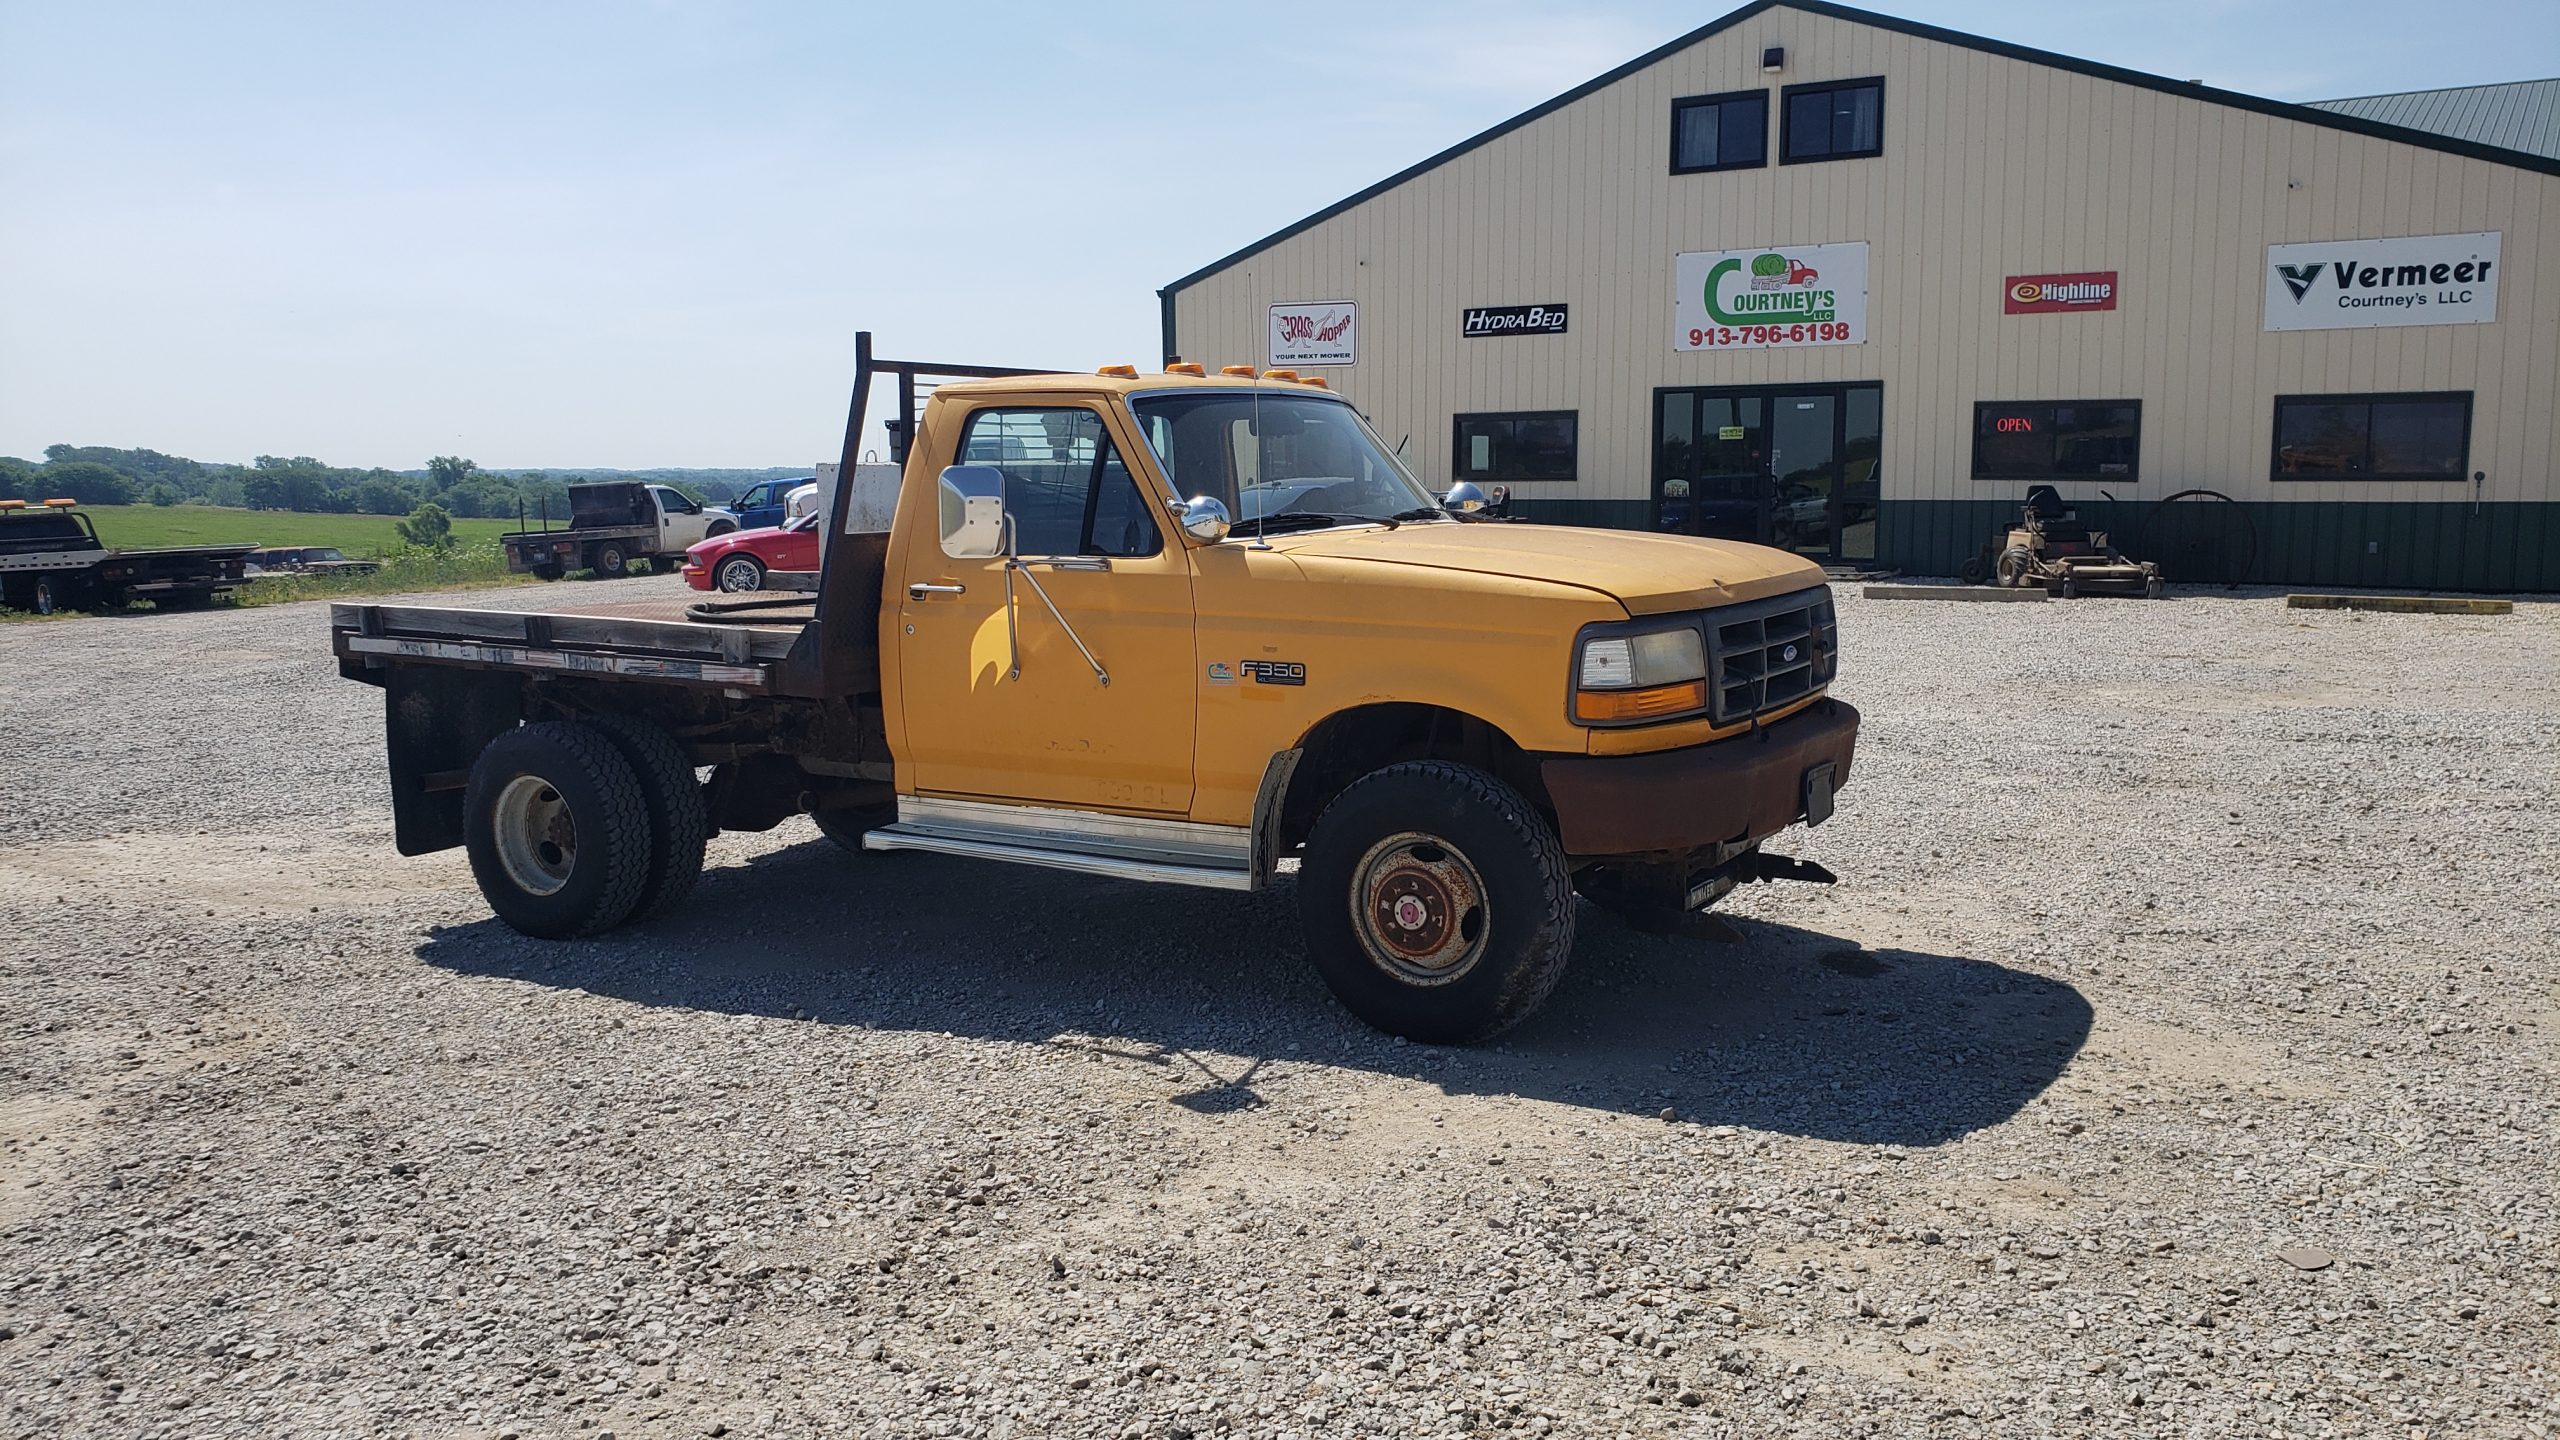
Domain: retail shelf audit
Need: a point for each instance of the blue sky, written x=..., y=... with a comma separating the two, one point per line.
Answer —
x=557, y=234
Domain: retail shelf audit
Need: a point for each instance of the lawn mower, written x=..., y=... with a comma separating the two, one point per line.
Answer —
x=2050, y=547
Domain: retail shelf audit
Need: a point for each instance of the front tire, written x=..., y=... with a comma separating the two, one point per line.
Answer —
x=739, y=574
x=557, y=828
x=1436, y=902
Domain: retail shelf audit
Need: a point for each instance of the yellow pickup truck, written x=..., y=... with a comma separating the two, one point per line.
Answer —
x=1178, y=627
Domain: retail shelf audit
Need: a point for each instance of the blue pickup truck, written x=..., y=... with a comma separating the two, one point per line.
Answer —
x=759, y=506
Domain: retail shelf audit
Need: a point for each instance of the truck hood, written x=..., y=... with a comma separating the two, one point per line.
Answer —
x=1648, y=574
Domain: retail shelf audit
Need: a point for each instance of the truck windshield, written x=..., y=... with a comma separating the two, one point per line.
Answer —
x=1265, y=456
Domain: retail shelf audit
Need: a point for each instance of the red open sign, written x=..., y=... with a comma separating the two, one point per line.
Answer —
x=2014, y=425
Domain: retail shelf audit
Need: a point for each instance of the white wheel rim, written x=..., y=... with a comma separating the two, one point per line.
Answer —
x=537, y=836
x=1420, y=909
x=741, y=575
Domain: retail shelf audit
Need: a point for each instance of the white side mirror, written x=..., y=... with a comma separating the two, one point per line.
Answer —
x=972, y=512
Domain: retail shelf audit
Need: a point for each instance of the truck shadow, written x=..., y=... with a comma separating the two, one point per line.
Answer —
x=1794, y=1031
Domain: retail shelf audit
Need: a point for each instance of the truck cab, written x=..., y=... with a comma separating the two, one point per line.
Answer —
x=764, y=505
x=1205, y=630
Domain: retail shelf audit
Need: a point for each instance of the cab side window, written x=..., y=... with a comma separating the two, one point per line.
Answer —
x=1065, y=487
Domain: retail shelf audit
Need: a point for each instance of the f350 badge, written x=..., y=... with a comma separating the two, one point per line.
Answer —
x=1261, y=672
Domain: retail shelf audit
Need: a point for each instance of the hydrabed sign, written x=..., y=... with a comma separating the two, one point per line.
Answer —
x=1778, y=297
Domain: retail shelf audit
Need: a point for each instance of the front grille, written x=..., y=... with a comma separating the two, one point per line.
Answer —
x=1770, y=653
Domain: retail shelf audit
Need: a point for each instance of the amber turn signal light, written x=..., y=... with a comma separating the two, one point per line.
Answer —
x=1606, y=707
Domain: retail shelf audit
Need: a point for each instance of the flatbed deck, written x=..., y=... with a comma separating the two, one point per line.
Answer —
x=642, y=638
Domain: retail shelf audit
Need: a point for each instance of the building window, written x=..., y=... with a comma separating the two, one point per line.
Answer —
x=2373, y=437
x=1526, y=445
x=2057, y=440
x=1720, y=132
x=1836, y=120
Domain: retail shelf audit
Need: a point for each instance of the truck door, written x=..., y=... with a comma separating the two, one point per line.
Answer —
x=1097, y=538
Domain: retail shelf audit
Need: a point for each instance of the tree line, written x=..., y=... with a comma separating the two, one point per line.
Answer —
x=106, y=475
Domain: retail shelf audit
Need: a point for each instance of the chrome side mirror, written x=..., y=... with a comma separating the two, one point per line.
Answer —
x=1204, y=518
x=972, y=512
x=1463, y=498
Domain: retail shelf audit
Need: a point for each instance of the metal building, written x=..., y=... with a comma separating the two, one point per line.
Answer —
x=1852, y=284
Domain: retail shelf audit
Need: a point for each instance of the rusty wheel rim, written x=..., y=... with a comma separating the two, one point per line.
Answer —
x=1420, y=908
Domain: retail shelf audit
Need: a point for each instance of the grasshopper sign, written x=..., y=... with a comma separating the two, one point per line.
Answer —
x=1771, y=298
x=2355, y=284
x=1315, y=332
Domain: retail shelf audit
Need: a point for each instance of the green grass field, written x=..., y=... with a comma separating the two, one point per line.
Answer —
x=362, y=536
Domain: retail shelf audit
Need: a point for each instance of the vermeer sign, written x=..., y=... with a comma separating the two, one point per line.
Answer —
x=2414, y=280
x=1315, y=332
x=1777, y=297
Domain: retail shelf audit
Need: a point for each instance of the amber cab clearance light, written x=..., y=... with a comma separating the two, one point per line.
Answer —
x=1186, y=367
x=1279, y=374
x=13, y=504
x=1315, y=380
x=1241, y=371
x=1119, y=372
x=59, y=503
x=1608, y=707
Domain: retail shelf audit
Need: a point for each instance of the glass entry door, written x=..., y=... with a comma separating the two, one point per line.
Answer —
x=1792, y=466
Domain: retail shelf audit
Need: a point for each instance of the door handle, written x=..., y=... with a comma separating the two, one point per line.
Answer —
x=918, y=589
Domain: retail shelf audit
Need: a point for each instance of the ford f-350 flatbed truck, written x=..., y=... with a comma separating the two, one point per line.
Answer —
x=1171, y=627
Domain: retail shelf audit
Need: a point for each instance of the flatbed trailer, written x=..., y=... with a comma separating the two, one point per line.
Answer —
x=51, y=558
x=1050, y=657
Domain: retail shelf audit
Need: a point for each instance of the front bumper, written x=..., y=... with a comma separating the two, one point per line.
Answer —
x=696, y=574
x=1731, y=791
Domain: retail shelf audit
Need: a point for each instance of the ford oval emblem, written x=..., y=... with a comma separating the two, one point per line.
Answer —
x=1787, y=654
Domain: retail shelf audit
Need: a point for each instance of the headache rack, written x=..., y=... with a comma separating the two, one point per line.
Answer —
x=1768, y=654
x=837, y=654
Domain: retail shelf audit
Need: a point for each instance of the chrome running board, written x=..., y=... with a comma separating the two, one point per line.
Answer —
x=1125, y=847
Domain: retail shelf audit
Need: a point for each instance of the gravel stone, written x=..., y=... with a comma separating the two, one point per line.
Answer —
x=2172, y=936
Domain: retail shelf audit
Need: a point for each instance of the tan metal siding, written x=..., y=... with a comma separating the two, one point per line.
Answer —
x=1992, y=166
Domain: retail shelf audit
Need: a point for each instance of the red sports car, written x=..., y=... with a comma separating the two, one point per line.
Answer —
x=738, y=560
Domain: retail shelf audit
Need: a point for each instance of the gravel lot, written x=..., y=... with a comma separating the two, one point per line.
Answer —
x=2174, y=938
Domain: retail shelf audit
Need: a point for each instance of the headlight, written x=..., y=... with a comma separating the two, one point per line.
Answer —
x=1627, y=676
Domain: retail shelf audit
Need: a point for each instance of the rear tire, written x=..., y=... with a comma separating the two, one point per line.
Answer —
x=548, y=572
x=679, y=821
x=1436, y=902
x=739, y=574
x=557, y=827
x=48, y=595
x=610, y=561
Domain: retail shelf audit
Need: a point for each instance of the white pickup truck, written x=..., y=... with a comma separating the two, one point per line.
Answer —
x=613, y=524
